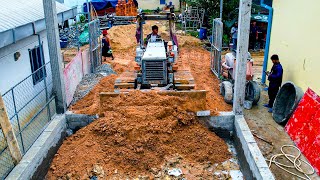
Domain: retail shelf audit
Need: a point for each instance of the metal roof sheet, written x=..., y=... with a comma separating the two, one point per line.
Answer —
x=15, y=13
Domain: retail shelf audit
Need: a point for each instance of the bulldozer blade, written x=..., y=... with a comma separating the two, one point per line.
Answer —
x=126, y=80
x=195, y=100
x=184, y=80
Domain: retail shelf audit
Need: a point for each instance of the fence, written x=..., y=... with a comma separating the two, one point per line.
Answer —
x=30, y=106
x=216, y=46
x=95, y=44
x=192, y=19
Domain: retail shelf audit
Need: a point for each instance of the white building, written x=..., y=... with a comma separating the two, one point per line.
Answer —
x=24, y=69
x=154, y=4
x=20, y=24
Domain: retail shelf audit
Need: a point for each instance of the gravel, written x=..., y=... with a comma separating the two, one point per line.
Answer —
x=90, y=80
x=72, y=35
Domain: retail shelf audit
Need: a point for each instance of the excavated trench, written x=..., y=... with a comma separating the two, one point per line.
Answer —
x=145, y=135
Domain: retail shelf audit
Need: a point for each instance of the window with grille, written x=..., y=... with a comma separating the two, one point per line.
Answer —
x=38, y=68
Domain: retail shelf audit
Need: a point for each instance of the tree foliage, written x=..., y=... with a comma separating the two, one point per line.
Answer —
x=212, y=7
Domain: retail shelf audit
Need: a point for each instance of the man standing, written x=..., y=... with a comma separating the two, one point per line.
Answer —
x=154, y=35
x=275, y=80
x=254, y=35
x=234, y=34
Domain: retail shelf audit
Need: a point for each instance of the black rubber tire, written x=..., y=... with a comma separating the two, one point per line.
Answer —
x=286, y=102
x=253, y=92
x=226, y=91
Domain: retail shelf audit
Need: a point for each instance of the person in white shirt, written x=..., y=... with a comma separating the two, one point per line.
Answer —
x=154, y=35
x=229, y=65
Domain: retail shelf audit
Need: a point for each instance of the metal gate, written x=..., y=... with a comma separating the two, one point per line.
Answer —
x=216, y=46
x=192, y=19
x=95, y=44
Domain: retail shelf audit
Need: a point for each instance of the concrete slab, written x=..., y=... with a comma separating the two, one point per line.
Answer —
x=203, y=113
x=224, y=121
x=77, y=121
x=252, y=153
x=33, y=161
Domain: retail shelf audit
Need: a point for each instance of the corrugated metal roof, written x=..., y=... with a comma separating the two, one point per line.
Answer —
x=15, y=13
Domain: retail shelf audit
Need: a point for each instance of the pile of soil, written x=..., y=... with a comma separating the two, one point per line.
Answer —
x=123, y=37
x=139, y=135
x=90, y=103
x=198, y=59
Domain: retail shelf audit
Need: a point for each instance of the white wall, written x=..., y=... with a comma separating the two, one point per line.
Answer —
x=12, y=72
x=295, y=38
x=153, y=4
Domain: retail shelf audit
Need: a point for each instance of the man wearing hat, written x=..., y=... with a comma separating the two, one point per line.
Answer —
x=106, y=48
x=275, y=80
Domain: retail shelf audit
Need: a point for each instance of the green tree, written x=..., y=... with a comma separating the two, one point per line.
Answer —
x=212, y=7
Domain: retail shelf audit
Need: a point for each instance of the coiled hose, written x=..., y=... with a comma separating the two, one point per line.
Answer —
x=295, y=160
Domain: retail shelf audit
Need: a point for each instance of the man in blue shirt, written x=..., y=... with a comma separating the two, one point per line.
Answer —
x=275, y=80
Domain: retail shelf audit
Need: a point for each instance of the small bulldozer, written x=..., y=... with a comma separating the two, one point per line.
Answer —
x=157, y=62
x=158, y=68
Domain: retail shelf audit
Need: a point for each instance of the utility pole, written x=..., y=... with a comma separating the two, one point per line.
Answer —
x=221, y=9
x=242, y=51
x=50, y=14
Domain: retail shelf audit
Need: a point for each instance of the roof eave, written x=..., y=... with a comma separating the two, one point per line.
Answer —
x=13, y=35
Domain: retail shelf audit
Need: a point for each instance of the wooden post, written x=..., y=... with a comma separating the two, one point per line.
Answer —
x=9, y=134
x=242, y=53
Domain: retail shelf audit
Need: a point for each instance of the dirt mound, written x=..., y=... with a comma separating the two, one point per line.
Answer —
x=122, y=37
x=137, y=138
x=90, y=103
x=144, y=134
x=188, y=41
x=198, y=59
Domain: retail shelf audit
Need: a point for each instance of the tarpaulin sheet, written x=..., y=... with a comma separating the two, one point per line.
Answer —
x=304, y=127
x=103, y=4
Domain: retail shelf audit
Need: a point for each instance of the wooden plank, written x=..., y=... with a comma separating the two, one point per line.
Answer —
x=184, y=86
x=242, y=51
x=9, y=133
x=123, y=85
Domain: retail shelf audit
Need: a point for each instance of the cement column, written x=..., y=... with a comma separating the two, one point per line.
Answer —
x=50, y=14
x=242, y=50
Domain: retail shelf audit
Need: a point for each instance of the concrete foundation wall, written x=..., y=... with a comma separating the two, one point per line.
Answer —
x=252, y=153
x=35, y=163
x=252, y=162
